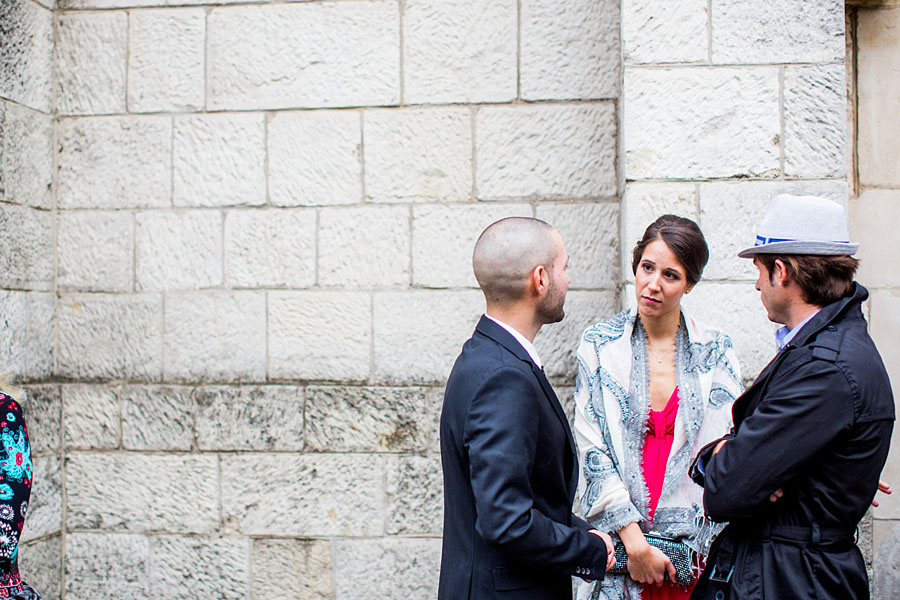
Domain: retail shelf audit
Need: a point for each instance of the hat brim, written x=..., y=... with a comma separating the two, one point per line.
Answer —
x=802, y=247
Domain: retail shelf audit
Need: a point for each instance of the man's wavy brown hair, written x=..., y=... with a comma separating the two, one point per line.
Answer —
x=822, y=279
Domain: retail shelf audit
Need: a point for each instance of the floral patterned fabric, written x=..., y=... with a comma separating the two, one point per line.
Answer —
x=15, y=490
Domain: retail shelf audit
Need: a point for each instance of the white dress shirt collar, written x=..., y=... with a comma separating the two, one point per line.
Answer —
x=529, y=347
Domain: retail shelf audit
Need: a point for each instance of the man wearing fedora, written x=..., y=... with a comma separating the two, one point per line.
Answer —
x=800, y=467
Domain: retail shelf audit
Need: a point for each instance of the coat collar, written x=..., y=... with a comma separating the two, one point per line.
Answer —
x=831, y=313
x=503, y=337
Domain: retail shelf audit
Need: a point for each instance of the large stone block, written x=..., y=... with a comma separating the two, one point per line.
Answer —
x=551, y=150
x=92, y=417
x=884, y=323
x=665, y=32
x=569, y=50
x=114, y=162
x=797, y=31
x=91, y=62
x=219, y=160
x=731, y=212
x=199, y=567
x=45, y=505
x=886, y=565
x=104, y=336
x=143, y=492
x=320, y=335
x=166, y=62
x=27, y=162
x=419, y=334
x=872, y=219
x=376, y=419
x=14, y=331
x=387, y=568
x=310, y=54
x=643, y=203
x=101, y=4
x=26, y=333
x=459, y=51
x=422, y=155
x=689, y=123
x=878, y=137
x=815, y=121
x=444, y=237
x=157, y=417
x=379, y=254
x=250, y=418
x=591, y=234
x=270, y=248
x=42, y=408
x=556, y=343
x=26, y=255
x=95, y=251
x=107, y=565
x=41, y=562
x=41, y=327
x=414, y=491
x=178, y=250
x=286, y=569
x=303, y=494
x=205, y=330
x=315, y=158
x=26, y=55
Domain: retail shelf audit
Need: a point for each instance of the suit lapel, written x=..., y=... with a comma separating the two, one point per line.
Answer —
x=554, y=402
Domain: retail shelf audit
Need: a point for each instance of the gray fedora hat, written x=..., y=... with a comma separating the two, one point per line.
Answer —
x=802, y=225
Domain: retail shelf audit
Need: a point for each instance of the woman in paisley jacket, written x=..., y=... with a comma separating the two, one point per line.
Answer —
x=654, y=386
x=15, y=490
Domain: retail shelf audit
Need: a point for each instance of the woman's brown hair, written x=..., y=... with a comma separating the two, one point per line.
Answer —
x=684, y=239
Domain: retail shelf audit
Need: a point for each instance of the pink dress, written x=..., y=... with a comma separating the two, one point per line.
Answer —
x=657, y=446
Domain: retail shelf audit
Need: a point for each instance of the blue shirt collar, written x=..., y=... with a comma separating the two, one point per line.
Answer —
x=783, y=335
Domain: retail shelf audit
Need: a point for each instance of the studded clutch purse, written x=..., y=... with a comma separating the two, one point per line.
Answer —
x=678, y=552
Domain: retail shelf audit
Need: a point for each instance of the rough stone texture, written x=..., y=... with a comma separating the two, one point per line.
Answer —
x=552, y=150
x=40, y=342
x=13, y=330
x=731, y=212
x=179, y=250
x=91, y=61
x=299, y=350
x=217, y=336
x=91, y=417
x=270, y=248
x=735, y=309
x=798, y=31
x=41, y=561
x=45, y=504
x=26, y=333
x=304, y=55
x=197, y=568
x=884, y=325
x=643, y=203
x=99, y=4
x=878, y=87
x=114, y=162
x=364, y=562
x=111, y=565
x=109, y=336
x=179, y=492
x=379, y=254
x=219, y=160
x=687, y=123
x=422, y=350
x=591, y=235
x=26, y=55
x=444, y=236
x=286, y=569
x=26, y=258
x=569, y=50
x=166, y=68
x=815, y=117
x=414, y=491
x=95, y=251
x=459, y=51
x=887, y=566
x=375, y=419
x=314, y=158
x=302, y=494
x=42, y=407
x=27, y=162
x=873, y=219
x=664, y=32
x=422, y=155
x=250, y=418
x=157, y=417
x=556, y=343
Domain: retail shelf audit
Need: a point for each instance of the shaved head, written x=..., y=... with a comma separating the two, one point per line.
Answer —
x=508, y=251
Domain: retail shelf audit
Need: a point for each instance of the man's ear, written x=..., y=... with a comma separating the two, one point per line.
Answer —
x=780, y=273
x=539, y=280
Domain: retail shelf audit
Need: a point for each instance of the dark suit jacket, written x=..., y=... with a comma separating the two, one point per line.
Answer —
x=509, y=480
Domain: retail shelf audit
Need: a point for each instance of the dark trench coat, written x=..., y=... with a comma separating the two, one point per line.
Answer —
x=816, y=423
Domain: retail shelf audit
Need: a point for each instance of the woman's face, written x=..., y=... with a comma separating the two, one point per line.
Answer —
x=660, y=281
